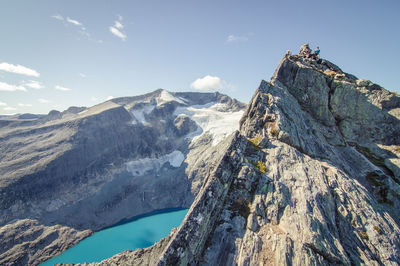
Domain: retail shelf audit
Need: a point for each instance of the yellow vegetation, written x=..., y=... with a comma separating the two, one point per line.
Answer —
x=261, y=166
x=377, y=229
x=256, y=140
x=274, y=132
x=364, y=235
x=330, y=72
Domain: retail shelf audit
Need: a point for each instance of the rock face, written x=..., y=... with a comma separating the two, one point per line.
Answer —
x=311, y=178
x=67, y=174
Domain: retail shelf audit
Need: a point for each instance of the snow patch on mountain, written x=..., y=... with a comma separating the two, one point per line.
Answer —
x=165, y=97
x=211, y=118
x=144, y=165
x=139, y=114
x=175, y=158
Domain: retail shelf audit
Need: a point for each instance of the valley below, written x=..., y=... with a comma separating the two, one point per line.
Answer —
x=67, y=175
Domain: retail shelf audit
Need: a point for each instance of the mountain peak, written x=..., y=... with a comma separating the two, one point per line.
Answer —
x=311, y=177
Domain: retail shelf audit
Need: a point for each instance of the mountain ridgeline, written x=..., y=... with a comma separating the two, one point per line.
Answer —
x=311, y=178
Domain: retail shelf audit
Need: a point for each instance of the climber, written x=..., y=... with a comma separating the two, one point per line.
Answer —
x=315, y=55
x=317, y=51
x=305, y=50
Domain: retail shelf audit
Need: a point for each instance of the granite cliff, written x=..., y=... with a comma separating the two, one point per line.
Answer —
x=311, y=178
x=67, y=174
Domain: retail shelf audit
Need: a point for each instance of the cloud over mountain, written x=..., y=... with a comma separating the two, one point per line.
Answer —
x=207, y=83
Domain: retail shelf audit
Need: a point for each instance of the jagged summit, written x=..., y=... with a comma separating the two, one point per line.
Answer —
x=311, y=178
x=363, y=113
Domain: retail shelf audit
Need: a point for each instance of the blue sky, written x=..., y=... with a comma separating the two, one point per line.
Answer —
x=55, y=54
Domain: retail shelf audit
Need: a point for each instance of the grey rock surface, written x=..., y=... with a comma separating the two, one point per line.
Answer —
x=311, y=178
x=68, y=174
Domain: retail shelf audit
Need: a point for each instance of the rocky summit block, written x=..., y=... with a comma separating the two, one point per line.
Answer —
x=68, y=174
x=311, y=178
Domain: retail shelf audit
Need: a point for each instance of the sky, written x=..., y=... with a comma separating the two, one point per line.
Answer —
x=55, y=54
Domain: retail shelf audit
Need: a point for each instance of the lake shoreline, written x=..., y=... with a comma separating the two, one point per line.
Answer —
x=138, y=232
x=140, y=216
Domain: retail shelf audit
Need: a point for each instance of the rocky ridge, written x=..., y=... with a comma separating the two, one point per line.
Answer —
x=68, y=174
x=311, y=178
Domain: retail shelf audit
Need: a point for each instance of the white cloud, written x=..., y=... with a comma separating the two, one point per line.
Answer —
x=60, y=88
x=117, y=33
x=24, y=104
x=82, y=75
x=110, y=97
x=58, y=16
x=116, y=29
x=34, y=84
x=118, y=25
x=8, y=87
x=41, y=100
x=75, y=22
x=208, y=83
x=18, y=69
x=82, y=31
x=9, y=108
x=94, y=99
x=234, y=38
x=2, y=104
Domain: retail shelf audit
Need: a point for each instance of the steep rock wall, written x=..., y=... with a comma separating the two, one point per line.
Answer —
x=311, y=178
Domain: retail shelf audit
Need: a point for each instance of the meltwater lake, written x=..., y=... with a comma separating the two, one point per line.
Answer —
x=139, y=233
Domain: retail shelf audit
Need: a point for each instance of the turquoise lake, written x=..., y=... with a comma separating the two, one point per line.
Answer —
x=139, y=233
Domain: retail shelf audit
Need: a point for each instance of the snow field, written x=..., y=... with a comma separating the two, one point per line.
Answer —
x=142, y=166
x=211, y=118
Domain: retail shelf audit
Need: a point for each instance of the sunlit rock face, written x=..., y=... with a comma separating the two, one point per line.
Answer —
x=311, y=178
x=67, y=174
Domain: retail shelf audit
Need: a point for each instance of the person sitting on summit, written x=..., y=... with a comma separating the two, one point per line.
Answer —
x=315, y=55
x=317, y=51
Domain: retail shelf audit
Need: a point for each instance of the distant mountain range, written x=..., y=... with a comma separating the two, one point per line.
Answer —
x=67, y=174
